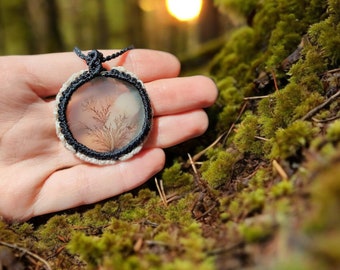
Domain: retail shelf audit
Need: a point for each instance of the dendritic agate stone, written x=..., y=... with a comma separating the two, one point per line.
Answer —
x=105, y=114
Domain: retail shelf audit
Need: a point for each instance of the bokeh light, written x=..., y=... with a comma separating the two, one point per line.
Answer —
x=184, y=10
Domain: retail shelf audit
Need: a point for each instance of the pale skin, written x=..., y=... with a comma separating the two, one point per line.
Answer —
x=39, y=176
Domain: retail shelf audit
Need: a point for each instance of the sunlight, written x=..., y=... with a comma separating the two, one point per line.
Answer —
x=184, y=10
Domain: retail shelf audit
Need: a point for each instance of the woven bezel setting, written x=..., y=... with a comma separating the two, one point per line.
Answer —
x=84, y=152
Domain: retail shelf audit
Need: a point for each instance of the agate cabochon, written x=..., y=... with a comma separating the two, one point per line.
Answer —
x=105, y=117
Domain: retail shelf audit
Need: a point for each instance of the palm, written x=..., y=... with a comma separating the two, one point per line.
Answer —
x=38, y=175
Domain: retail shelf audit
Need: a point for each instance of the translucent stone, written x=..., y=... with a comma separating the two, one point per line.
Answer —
x=105, y=114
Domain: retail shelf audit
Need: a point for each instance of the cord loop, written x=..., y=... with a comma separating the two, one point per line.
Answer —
x=94, y=58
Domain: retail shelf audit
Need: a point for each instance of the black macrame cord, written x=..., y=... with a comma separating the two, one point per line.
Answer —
x=94, y=60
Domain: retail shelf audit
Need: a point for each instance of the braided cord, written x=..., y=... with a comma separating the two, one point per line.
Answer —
x=115, y=55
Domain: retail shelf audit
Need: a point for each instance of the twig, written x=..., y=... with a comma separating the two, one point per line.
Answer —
x=206, y=212
x=261, y=138
x=256, y=97
x=26, y=251
x=275, y=81
x=325, y=120
x=192, y=164
x=280, y=170
x=317, y=108
x=201, y=153
x=226, y=134
x=161, y=192
x=138, y=245
x=237, y=119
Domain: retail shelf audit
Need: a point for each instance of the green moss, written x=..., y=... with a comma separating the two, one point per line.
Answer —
x=237, y=56
x=326, y=35
x=180, y=212
x=307, y=70
x=174, y=177
x=310, y=101
x=235, y=209
x=326, y=194
x=260, y=178
x=283, y=107
x=180, y=264
x=288, y=142
x=256, y=230
x=230, y=98
x=253, y=201
x=23, y=229
x=244, y=8
x=333, y=132
x=282, y=188
x=6, y=234
x=57, y=226
x=217, y=170
x=245, y=139
x=87, y=248
x=267, y=117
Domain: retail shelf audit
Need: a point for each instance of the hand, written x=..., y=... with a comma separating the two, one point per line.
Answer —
x=38, y=175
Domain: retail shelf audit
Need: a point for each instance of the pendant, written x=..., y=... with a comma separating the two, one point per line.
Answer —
x=103, y=116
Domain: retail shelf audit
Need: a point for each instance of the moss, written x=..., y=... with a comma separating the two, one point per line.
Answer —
x=326, y=193
x=86, y=247
x=282, y=188
x=6, y=234
x=217, y=170
x=260, y=178
x=307, y=70
x=253, y=201
x=256, y=230
x=288, y=142
x=245, y=139
x=333, y=132
x=56, y=227
x=23, y=229
x=326, y=35
x=310, y=101
x=236, y=56
x=180, y=212
x=230, y=98
x=244, y=8
x=180, y=264
x=235, y=209
x=174, y=177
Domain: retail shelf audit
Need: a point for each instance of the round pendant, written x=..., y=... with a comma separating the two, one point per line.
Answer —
x=103, y=115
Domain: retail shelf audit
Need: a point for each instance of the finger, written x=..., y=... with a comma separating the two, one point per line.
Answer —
x=85, y=184
x=47, y=72
x=170, y=130
x=176, y=95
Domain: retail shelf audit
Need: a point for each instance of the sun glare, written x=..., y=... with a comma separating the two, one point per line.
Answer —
x=184, y=10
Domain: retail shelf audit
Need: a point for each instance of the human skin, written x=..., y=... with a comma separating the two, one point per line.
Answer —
x=38, y=175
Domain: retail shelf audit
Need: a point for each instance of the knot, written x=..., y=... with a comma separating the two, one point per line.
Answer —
x=94, y=58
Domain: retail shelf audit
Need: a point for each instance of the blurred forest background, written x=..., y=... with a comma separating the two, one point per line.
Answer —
x=40, y=26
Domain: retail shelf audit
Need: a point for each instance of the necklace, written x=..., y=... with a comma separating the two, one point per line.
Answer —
x=103, y=116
